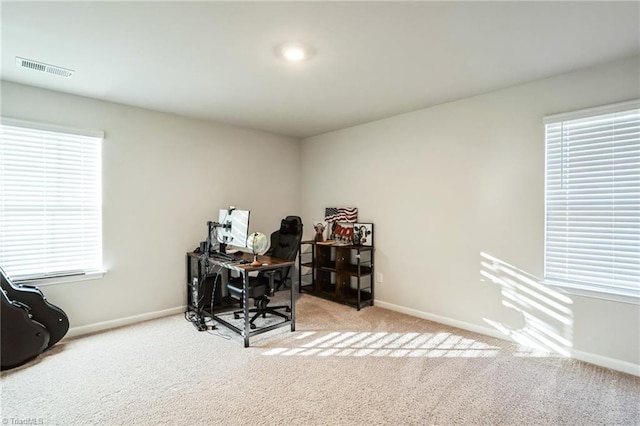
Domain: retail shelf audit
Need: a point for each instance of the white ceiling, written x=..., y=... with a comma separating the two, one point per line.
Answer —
x=215, y=60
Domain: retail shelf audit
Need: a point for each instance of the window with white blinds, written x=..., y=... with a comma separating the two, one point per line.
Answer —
x=592, y=235
x=50, y=201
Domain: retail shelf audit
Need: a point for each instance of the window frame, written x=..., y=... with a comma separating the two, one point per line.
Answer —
x=578, y=288
x=88, y=273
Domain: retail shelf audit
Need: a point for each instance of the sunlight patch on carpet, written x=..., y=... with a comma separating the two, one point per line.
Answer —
x=385, y=344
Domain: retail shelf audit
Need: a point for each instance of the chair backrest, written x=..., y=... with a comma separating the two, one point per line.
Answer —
x=285, y=243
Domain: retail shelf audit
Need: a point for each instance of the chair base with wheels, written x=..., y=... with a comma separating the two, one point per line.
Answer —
x=258, y=290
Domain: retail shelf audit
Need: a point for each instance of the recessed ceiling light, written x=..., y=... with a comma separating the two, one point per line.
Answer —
x=293, y=51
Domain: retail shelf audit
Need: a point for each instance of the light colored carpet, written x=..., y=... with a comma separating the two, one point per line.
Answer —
x=341, y=367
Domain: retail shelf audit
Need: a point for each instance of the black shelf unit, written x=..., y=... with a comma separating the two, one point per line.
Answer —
x=341, y=273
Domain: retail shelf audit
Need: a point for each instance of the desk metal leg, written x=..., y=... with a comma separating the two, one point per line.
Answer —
x=293, y=307
x=245, y=307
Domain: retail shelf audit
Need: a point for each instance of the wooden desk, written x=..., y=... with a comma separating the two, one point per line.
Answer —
x=268, y=263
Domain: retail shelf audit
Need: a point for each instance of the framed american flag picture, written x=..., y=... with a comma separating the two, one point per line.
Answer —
x=341, y=214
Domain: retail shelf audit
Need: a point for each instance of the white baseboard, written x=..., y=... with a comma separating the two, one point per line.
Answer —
x=443, y=320
x=106, y=325
x=602, y=361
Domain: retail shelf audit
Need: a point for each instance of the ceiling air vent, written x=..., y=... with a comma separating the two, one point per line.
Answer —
x=39, y=66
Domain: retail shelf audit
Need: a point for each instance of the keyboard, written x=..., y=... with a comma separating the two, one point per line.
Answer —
x=223, y=256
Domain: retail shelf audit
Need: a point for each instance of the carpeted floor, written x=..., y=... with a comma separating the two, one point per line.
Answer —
x=341, y=367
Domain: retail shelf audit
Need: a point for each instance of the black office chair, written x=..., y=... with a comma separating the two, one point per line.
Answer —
x=285, y=244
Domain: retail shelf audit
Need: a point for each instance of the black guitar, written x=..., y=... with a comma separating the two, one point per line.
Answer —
x=52, y=317
x=22, y=338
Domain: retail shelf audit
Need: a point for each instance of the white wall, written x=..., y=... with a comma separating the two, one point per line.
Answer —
x=164, y=176
x=447, y=183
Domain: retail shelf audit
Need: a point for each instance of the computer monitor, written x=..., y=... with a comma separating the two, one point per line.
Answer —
x=233, y=227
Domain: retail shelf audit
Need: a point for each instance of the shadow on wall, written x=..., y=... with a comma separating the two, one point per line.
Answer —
x=547, y=314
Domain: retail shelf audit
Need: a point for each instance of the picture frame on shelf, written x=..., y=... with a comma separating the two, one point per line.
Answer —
x=342, y=233
x=363, y=234
x=341, y=214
